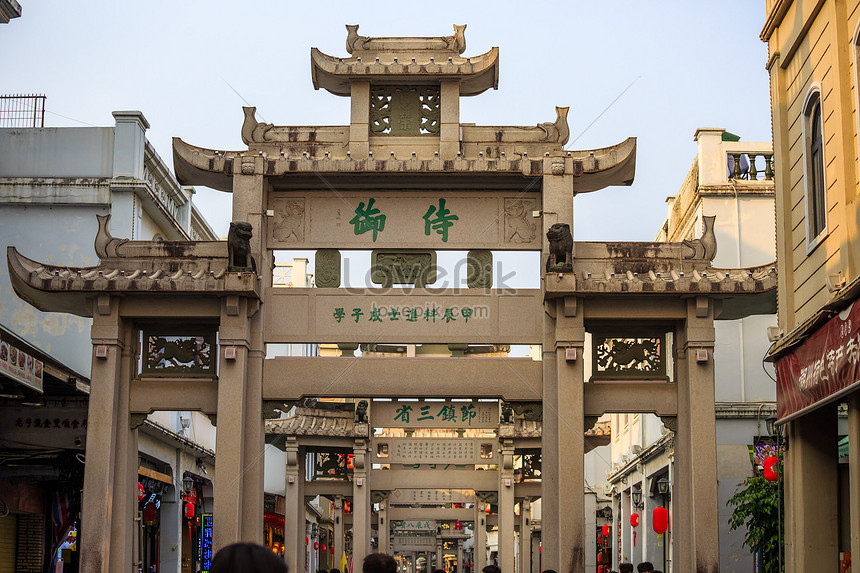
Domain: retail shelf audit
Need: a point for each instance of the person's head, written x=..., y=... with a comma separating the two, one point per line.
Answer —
x=335, y=570
x=248, y=557
x=491, y=569
x=438, y=571
x=657, y=571
x=322, y=571
x=549, y=571
x=379, y=563
x=625, y=568
x=645, y=567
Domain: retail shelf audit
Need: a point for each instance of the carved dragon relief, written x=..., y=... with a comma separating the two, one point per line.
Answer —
x=254, y=131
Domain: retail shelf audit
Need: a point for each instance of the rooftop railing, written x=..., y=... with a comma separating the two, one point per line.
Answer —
x=22, y=110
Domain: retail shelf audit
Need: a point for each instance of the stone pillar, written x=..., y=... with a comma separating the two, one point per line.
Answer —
x=359, y=121
x=99, y=553
x=338, y=530
x=439, y=552
x=506, y=506
x=449, y=128
x=854, y=470
x=480, y=545
x=525, y=536
x=697, y=528
x=294, y=506
x=230, y=441
x=557, y=207
x=568, y=441
x=460, y=568
x=428, y=566
x=360, y=504
x=549, y=445
x=255, y=439
x=536, y=551
x=811, y=527
x=383, y=530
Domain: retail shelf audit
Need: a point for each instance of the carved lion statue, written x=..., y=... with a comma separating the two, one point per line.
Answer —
x=239, y=257
x=560, y=249
x=361, y=412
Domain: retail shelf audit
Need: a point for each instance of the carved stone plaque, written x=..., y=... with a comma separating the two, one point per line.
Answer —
x=433, y=451
x=419, y=219
x=634, y=357
x=392, y=267
x=178, y=354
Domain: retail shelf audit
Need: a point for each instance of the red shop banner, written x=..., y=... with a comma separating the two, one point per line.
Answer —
x=826, y=364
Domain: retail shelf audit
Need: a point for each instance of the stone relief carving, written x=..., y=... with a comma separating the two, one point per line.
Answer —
x=353, y=40
x=389, y=268
x=404, y=110
x=705, y=247
x=248, y=167
x=289, y=225
x=479, y=265
x=560, y=249
x=557, y=131
x=519, y=226
x=530, y=411
x=177, y=354
x=557, y=167
x=254, y=131
x=239, y=257
x=642, y=356
x=327, y=265
x=379, y=495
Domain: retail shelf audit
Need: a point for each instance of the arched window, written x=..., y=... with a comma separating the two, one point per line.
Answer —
x=813, y=173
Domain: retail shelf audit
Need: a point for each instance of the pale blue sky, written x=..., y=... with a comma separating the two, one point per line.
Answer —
x=692, y=64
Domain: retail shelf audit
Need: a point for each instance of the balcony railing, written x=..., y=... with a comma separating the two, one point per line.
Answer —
x=749, y=166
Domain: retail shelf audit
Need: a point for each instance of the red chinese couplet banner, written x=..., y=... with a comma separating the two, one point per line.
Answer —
x=827, y=363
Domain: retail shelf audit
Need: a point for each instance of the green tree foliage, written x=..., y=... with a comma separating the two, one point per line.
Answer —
x=758, y=505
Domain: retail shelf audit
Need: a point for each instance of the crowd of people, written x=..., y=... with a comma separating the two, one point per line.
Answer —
x=253, y=558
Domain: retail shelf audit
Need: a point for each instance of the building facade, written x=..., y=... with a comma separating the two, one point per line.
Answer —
x=54, y=182
x=813, y=56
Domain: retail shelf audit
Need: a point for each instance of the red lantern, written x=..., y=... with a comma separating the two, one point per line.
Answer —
x=189, y=510
x=605, y=531
x=323, y=547
x=141, y=493
x=634, y=520
x=316, y=545
x=770, y=468
x=150, y=513
x=307, y=540
x=660, y=519
x=331, y=550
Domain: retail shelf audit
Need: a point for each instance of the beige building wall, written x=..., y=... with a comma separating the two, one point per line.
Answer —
x=813, y=45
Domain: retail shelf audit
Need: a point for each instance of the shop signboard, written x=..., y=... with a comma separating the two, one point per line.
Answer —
x=21, y=366
x=824, y=367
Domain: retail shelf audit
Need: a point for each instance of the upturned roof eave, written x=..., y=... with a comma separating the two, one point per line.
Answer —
x=476, y=74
